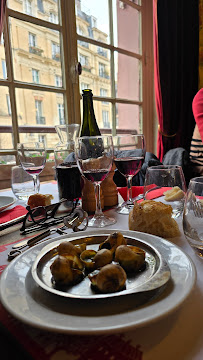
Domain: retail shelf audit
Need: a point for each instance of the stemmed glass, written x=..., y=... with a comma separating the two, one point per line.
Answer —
x=193, y=215
x=94, y=155
x=32, y=156
x=129, y=154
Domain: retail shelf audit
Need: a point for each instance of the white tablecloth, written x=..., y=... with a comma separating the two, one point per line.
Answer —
x=179, y=335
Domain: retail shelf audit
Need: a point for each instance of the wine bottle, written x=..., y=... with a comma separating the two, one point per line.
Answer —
x=89, y=126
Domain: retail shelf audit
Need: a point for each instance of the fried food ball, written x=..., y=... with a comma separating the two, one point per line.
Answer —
x=131, y=258
x=66, y=247
x=109, y=279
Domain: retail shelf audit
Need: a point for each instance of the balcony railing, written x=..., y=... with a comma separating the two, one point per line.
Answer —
x=104, y=75
x=35, y=50
x=7, y=129
x=83, y=43
x=102, y=52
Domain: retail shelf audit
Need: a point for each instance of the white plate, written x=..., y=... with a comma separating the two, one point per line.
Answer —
x=6, y=201
x=28, y=302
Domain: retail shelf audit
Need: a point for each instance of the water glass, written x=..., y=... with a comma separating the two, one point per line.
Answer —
x=193, y=215
x=166, y=183
x=22, y=183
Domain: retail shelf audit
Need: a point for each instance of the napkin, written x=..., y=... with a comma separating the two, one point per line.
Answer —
x=11, y=214
x=136, y=190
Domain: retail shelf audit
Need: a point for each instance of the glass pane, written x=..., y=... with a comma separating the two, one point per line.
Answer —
x=38, y=113
x=126, y=20
x=3, y=68
x=95, y=63
x=5, y=120
x=36, y=53
x=128, y=119
x=92, y=19
x=45, y=10
x=128, y=77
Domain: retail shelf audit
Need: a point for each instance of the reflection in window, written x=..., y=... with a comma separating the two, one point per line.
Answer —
x=35, y=76
x=61, y=114
x=28, y=7
x=58, y=80
x=8, y=104
x=39, y=118
x=40, y=5
x=4, y=69
x=105, y=119
x=55, y=51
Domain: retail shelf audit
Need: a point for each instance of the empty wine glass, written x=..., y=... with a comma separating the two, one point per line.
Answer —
x=193, y=215
x=129, y=154
x=166, y=183
x=32, y=156
x=94, y=155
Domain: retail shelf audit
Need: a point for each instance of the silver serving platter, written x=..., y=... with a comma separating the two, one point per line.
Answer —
x=148, y=281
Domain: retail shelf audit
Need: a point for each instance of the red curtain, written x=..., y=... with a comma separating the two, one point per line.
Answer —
x=176, y=51
x=157, y=86
x=2, y=13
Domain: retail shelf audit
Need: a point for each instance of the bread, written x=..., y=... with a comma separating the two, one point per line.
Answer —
x=39, y=200
x=153, y=217
x=174, y=194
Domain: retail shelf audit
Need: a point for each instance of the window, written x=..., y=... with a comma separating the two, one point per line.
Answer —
x=61, y=114
x=35, y=76
x=28, y=7
x=42, y=138
x=55, y=51
x=83, y=86
x=83, y=60
x=39, y=118
x=58, y=80
x=103, y=92
x=102, y=71
x=105, y=118
x=53, y=18
x=40, y=5
x=4, y=69
x=8, y=104
x=98, y=35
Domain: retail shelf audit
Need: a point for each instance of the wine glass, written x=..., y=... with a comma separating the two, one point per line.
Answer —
x=193, y=215
x=94, y=155
x=166, y=183
x=129, y=154
x=32, y=156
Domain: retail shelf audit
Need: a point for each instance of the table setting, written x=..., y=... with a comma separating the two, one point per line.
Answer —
x=155, y=313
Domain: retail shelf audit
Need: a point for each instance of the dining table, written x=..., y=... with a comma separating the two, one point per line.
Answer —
x=175, y=333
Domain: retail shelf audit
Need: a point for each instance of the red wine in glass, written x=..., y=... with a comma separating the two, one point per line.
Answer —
x=96, y=176
x=129, y=166
x=35, y=170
